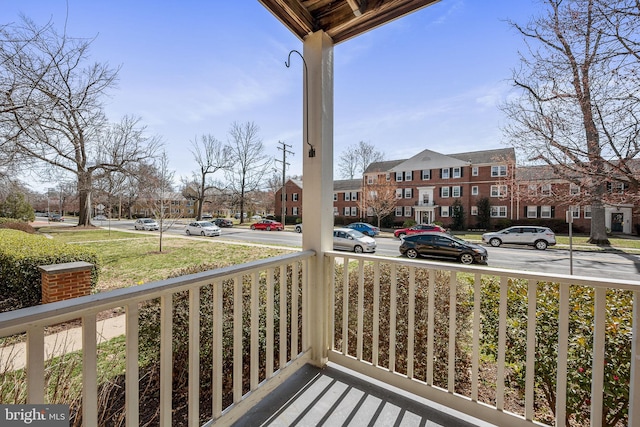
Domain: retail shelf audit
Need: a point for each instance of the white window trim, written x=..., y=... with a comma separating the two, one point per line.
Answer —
x=474, y=190
x=532, y=213
x=445, y=192
x=444, y=211
x=456, y=189
x=474, y=171
x=443, y=173
x=457, y=172
x=474, y=210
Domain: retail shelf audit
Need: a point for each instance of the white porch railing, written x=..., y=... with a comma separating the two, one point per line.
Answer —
x=269, y=309
x=392, y=320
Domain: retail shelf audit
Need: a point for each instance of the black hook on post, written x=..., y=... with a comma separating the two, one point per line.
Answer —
x=312, y=151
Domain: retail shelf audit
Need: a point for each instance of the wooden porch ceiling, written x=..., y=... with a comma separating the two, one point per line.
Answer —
x=340, y=19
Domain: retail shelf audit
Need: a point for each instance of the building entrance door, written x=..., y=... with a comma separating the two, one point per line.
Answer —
x=617, y=219
x=426, y=218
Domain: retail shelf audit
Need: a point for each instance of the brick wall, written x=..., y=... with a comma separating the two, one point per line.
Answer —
x=65, y=281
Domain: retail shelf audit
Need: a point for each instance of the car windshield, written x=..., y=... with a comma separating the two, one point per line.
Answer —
x=355, y=234
x=149, y=220
x=458, y=240
x=205, y=224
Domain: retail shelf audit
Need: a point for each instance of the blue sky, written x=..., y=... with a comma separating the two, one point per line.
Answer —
x=430, y=80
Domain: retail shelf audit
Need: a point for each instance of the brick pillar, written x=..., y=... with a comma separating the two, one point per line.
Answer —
x=65, y=281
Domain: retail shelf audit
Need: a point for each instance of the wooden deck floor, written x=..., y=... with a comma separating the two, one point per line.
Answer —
x=337, y=397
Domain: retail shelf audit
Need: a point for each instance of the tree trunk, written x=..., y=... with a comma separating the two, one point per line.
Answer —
x=84, y=199
x=598, y=235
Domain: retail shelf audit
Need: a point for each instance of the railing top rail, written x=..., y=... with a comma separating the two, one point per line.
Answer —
x=17, y=321
x=630, y=285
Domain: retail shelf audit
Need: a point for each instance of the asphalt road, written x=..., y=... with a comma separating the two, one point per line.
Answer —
x=556, y=260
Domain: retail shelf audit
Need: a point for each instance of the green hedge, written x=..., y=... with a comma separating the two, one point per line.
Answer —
x=20, y=256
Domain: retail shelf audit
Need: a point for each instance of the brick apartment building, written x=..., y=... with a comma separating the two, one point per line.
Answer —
x=346, y=196
x=429, y=183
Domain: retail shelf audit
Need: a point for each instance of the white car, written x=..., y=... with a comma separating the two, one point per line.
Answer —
x=538, y=237
x=299, y=228
x=148, y=224
x=202, y=228
x=347, y=239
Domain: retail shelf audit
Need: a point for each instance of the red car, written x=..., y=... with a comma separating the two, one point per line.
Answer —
x=419, y=228
x=267, y=224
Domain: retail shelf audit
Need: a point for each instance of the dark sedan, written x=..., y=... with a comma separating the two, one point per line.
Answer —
x=442, y=245
x=223, y=222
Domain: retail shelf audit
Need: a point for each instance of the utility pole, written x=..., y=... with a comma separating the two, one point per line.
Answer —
x=284, y=177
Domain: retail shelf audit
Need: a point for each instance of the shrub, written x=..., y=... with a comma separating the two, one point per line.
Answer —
x=421, y=342
x=20, y=256
x=579, y=365
x=408, y=223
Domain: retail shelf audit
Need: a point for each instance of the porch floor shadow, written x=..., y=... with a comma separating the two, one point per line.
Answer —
x=335, y=396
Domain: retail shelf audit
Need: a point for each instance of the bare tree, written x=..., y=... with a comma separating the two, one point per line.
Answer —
x=211, y=156
x=379, y=199
x=53, y=112
x=249, y=163
x=357, y=158
x=575, y=111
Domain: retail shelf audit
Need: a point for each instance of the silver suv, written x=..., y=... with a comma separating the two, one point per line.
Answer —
x=538, y=237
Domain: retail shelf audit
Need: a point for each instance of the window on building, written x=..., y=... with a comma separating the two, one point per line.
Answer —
x=444, y=211
x=354, y=196
x=354, y=211
x=474, y=190
x=499, y=170
x=498, y=190
x=347, y=197
x=474, y=171
x=445, y=173
x=444, y=192
x=426, y=174
x=294, y=197
x=407, y=211
x=407, y=193
x=575, y=211
x=335, y=197
x=398, y=210
x=532, y=211
x=347, y=210
x=369, y=179
x=587, y=212
x=388, y=177
x=294, y=210
x=545, y=211
x=369, y=211
x=398, y=193
x=408, y=175
x=545, y=189
x=457, y=172
x=498, y=211
x=335, y=211
x=399, y=176
x=574, y=189
x=456, y=191
x=373, y=194
x=474, y=210
x=532, y=189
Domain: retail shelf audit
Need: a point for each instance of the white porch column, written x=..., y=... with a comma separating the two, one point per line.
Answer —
x=317, y=204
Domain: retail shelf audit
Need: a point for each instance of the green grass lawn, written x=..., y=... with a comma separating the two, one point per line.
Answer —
x=129, y=259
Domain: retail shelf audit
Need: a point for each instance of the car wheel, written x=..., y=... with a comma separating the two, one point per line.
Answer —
x=298, y=230
x=253, y=227
x=188, y=233
x=466, y=259
x=495, y=242
x=541, y=245
x=202, y=233
x=357, y=249
x=268, y=228
x=411, y=253
x=401, y=235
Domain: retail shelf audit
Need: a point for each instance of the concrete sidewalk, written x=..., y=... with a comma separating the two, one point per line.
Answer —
x=13, y=357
